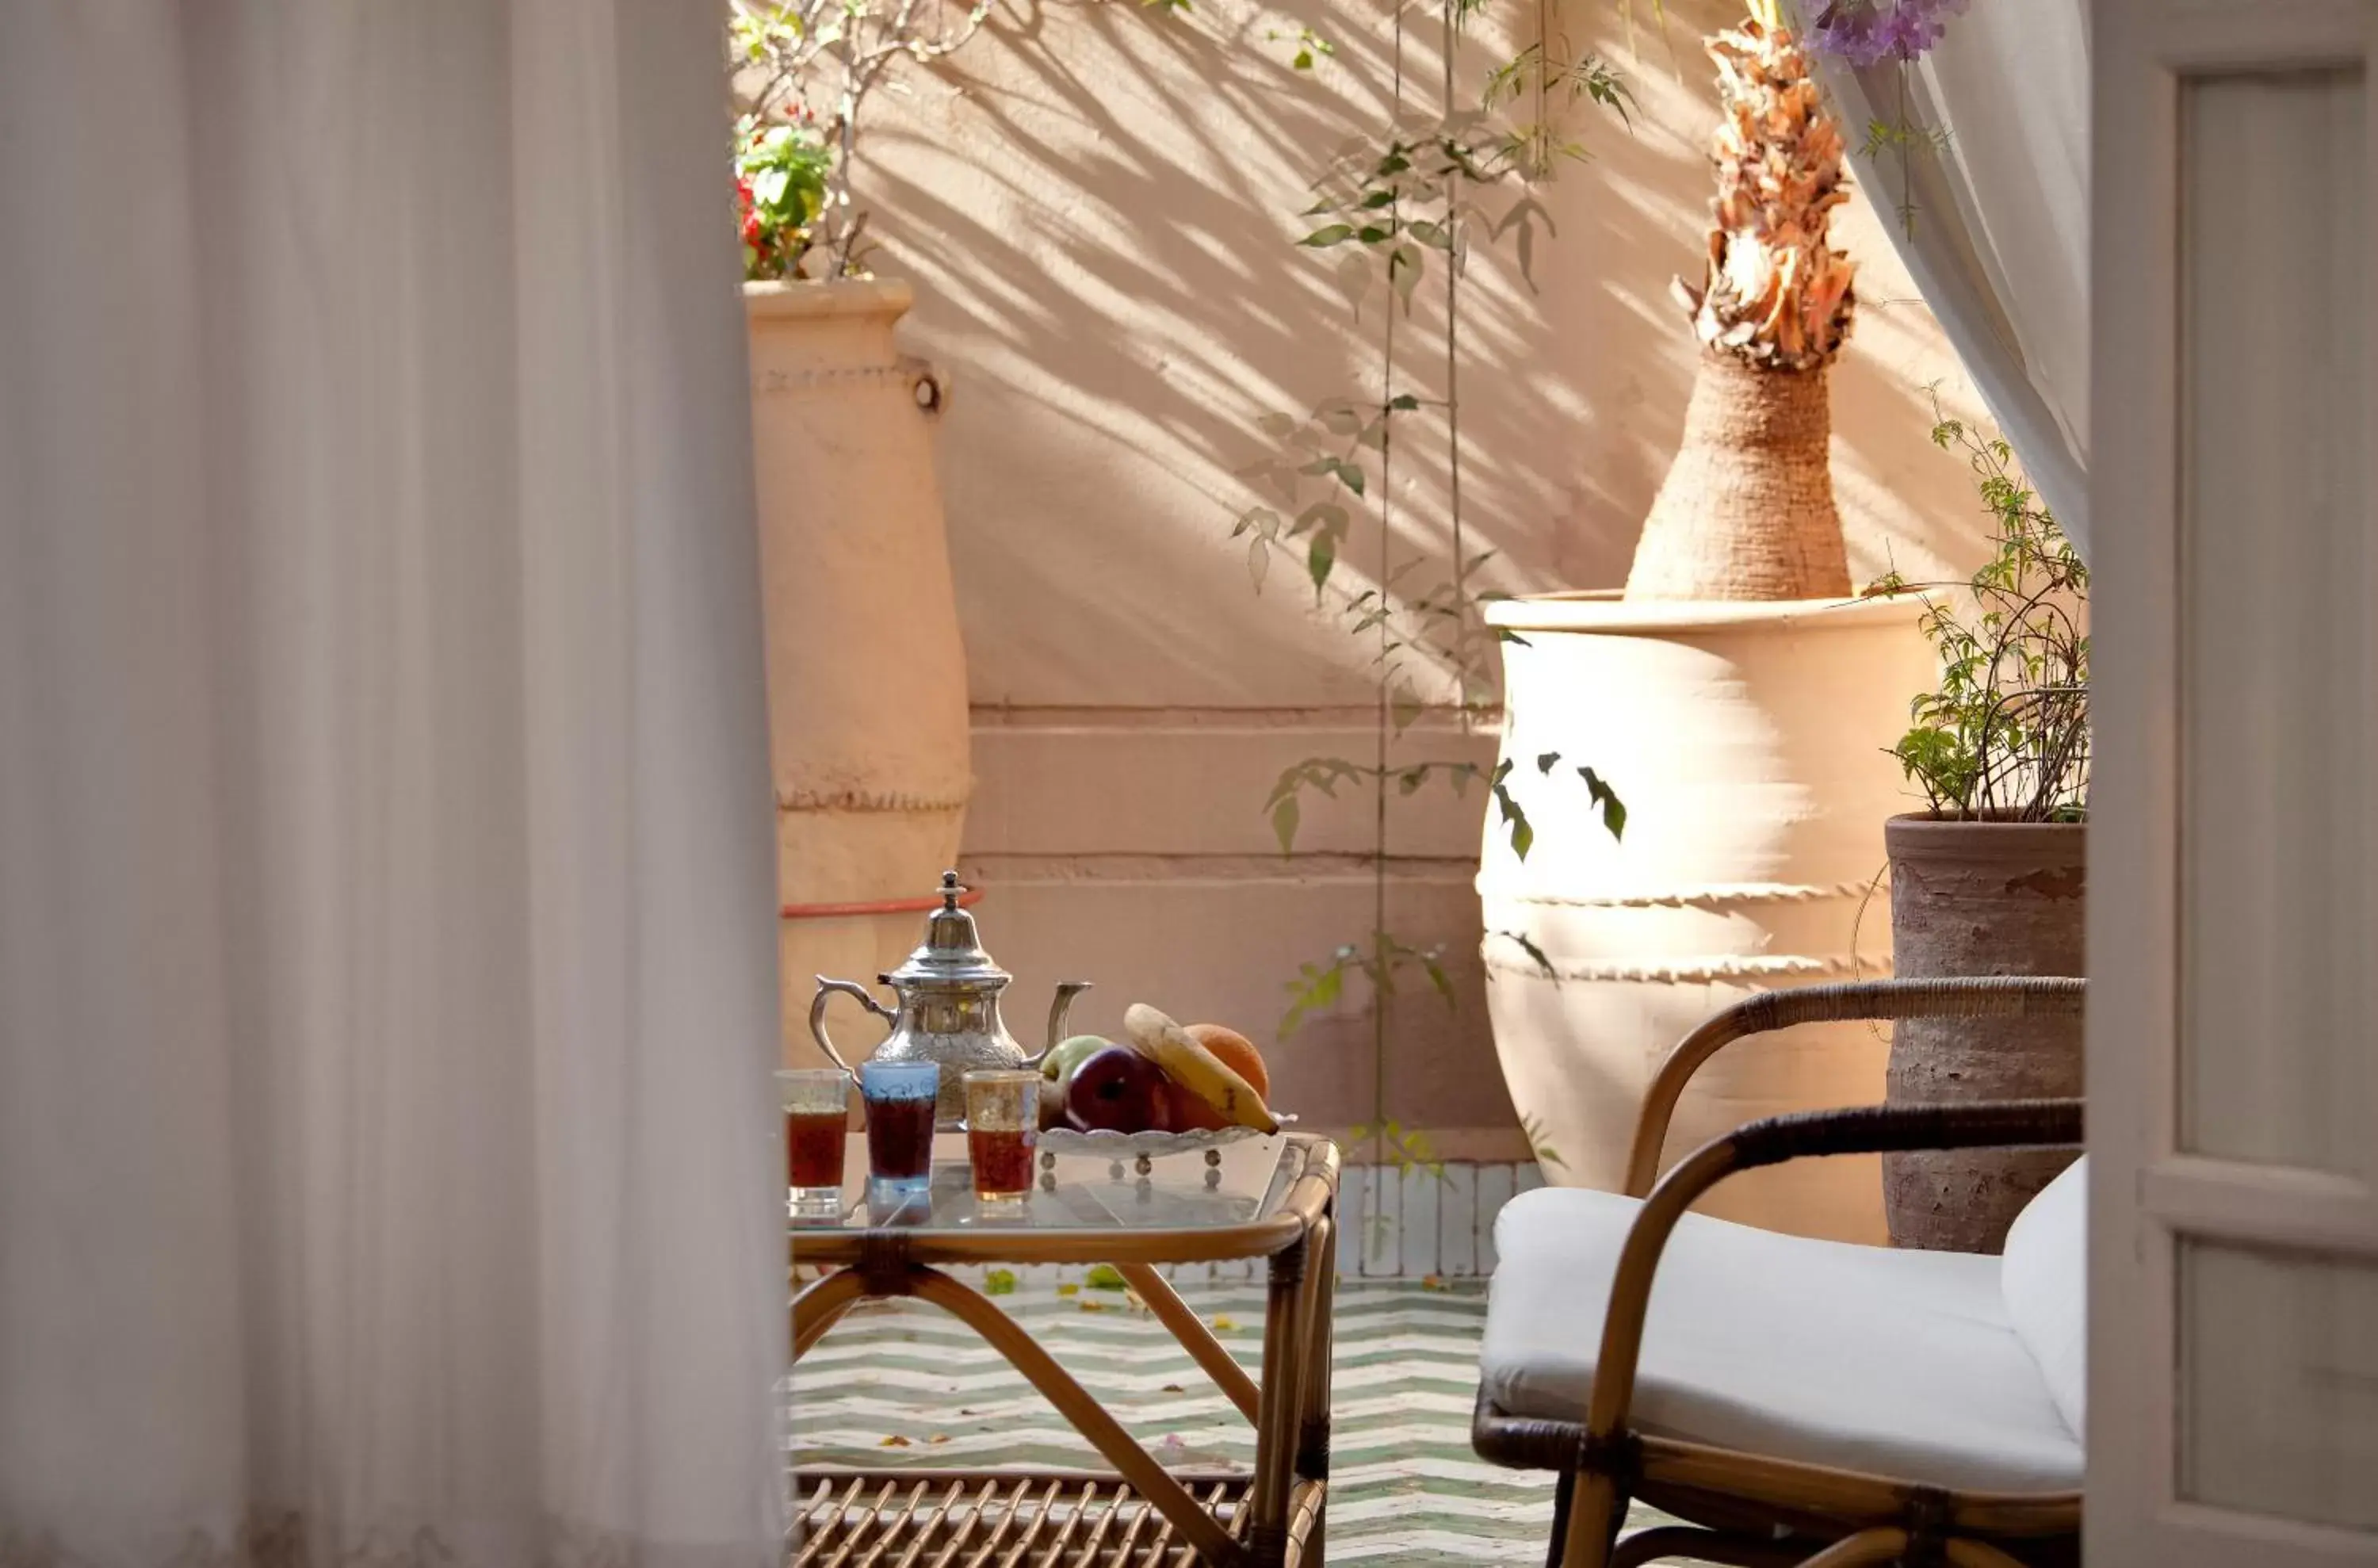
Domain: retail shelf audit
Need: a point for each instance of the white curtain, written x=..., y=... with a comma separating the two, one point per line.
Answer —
x=1993, y=222
x=387, y=988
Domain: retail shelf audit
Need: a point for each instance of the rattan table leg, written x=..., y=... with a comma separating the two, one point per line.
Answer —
x=1964, y=1554
x=817, y=1308
x=1882, y=1545
x=1135, y=1465
x=1312, y=1426
x=1286, y=1340
x=1195, y=1337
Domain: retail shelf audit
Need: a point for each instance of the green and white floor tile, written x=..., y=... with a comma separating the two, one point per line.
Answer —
x=901, y=1384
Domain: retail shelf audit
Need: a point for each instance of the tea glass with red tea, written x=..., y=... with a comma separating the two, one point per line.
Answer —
x=900, y=1099
x=1003, y=1125
x=817, y=1131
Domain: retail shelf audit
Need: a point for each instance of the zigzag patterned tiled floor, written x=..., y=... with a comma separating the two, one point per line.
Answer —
x=900, y=1384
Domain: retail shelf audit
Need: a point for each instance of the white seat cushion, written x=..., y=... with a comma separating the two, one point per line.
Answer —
x=1895, y=1363
x=2046, y=1283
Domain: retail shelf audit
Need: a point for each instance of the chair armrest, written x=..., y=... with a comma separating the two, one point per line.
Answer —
x=1878, y=1000
x=1865, y=1130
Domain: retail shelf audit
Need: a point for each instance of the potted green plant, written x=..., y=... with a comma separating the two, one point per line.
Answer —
x=867, y=680
x=1992, y=878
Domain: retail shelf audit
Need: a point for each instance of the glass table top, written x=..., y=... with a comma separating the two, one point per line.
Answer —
x=1076, y=1193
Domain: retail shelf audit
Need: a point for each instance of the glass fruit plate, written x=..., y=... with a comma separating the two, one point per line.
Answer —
x=1143, y=1145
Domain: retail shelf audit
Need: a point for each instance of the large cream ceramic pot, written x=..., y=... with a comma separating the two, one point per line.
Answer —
x=867, y=686
x=1751, y=744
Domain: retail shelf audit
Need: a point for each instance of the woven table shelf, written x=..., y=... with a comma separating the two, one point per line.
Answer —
x=1004, y=1519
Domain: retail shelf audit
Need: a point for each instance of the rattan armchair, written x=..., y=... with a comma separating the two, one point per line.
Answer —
x=1759, y=1508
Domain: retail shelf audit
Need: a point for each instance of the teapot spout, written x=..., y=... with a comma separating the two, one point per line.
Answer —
x=1067, y=991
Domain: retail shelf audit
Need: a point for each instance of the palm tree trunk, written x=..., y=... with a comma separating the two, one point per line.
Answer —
x=1746, y=511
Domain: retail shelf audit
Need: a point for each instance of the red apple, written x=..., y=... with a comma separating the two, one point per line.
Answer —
x=1120, y=1091
x=1191, y=1114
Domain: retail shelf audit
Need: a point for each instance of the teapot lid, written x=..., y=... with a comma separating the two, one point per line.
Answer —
x=952, y=952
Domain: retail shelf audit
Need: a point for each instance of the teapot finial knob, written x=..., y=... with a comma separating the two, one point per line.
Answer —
x=950, y=890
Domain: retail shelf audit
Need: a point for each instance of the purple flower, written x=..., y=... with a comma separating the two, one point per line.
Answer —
x=1869, y=32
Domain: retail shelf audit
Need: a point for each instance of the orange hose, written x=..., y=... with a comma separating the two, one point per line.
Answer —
x=931, y=901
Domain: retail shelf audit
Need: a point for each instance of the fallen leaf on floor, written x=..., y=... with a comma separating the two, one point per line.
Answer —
x=1091, y=1306
x=1131, y=1299
x=1105, y=1276
x=999, y=1282
x=1433, y=1282
x=1225, y=1325
x=938, y=1439
x=1069, y=1290
x=1173, y=1388
x=894, y=1440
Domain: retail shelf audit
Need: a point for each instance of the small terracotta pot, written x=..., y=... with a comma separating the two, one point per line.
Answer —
x=1980, y=898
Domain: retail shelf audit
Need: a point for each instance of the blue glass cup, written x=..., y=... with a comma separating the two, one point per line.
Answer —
x=900, y=1098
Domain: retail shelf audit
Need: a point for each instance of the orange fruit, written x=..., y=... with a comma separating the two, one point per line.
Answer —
x=1236, y=1052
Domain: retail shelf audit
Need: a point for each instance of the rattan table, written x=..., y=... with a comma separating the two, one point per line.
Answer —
x=1269, y=1197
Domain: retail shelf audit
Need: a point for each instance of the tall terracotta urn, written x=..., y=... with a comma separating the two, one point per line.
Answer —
x=1981, y=898
x=1749, y=741
x=867, y=687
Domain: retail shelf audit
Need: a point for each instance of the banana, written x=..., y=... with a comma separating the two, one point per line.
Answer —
x=1196, y=1070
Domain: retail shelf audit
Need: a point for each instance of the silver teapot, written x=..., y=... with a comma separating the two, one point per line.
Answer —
x=946, y=1006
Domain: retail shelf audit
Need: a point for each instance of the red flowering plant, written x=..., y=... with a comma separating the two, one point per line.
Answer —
x=793, y=167
x=781, y=170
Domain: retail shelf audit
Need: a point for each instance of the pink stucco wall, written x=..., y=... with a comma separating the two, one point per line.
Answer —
x=1096, y=202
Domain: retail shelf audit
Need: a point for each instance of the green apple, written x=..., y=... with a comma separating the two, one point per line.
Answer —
x=1067, y=1055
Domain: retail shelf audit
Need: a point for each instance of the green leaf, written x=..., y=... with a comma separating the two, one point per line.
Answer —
x=1328, y=516
x=1320, y=557
x=1259, y=562
x=1105, y=1276
x=999, y=1282
x=1404, y=706
x=1545, y=761
x=1403, y=273
x=1328, y=235
x=1350, y=477
x=1528, y=946
x=1403, y=403
x=1515, y=820
x=1613, y=810
x=1538, y=1142
x=1437, y=977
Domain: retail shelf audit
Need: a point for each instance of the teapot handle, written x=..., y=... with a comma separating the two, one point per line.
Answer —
x=826, y=988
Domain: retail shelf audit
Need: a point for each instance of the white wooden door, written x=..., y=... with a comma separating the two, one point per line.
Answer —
x=2233, y=1019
